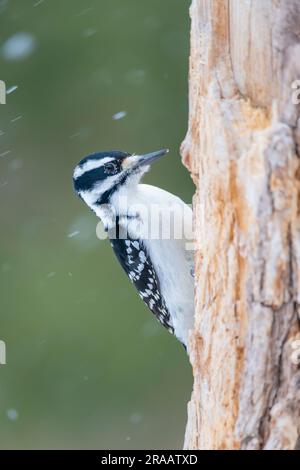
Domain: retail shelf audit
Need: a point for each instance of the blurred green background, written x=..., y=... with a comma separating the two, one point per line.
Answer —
x=88, y=366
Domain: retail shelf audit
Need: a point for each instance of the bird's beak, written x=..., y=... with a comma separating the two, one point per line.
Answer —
x=135, y=161
x=149, y=158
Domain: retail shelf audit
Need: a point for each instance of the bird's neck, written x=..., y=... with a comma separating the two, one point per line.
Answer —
x=121, y=209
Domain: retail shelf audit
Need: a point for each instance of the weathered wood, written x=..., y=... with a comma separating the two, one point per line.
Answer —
x=242, y=148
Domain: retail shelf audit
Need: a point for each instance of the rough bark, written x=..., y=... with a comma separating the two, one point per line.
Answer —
x=242, y=149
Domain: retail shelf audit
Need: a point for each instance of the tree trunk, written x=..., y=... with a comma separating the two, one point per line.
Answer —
x=242, y=149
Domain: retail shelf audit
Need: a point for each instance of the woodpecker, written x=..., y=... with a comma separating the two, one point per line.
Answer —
x=160, y=265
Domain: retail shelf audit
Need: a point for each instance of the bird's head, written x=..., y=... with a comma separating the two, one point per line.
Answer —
x=100, y=176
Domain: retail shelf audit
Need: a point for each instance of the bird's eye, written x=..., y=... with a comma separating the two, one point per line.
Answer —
x=110, y=168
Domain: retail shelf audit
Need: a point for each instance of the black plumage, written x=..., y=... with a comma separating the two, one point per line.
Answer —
x=135, y=261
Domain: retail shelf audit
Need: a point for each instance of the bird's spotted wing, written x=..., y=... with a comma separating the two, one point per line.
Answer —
x=136, y=263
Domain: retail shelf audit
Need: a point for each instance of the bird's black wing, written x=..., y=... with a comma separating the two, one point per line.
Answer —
x=135, y=261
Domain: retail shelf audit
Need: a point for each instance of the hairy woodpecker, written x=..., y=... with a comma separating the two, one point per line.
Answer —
x=150, y=231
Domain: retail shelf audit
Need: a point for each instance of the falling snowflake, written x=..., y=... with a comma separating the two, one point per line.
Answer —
x=119, y=115
x=19, y=46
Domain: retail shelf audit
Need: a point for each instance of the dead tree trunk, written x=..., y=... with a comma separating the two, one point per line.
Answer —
x=243, y=149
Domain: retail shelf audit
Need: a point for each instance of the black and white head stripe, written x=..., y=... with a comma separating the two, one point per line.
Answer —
x=97, y=160
x=95, y=168
x=100, y=175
